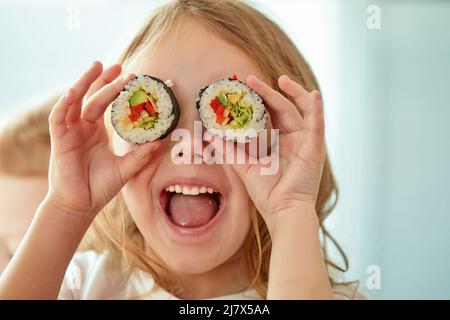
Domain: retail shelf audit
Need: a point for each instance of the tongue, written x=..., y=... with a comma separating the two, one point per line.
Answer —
x=192, y=211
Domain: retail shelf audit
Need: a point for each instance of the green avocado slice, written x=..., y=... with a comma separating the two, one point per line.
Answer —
x=138, y=97
x=223, y=99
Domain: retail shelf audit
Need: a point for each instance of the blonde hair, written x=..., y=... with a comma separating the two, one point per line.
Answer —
x=25, y=142
x=275, y=53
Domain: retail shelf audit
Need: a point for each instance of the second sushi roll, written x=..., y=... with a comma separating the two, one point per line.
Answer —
x=232, y=110
x=145, y=110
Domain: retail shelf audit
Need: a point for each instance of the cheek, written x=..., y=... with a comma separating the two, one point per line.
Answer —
x=137, y=192
x=239, y=203
x=136, y=200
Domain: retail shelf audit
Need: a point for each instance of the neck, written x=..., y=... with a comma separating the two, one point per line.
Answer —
x=228, y=278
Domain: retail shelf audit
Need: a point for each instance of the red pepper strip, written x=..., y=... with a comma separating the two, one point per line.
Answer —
x=219, y=109
x=150, y=109
x=219, y=114
x=234, y=77
x=138, y=108
x=135, y=112
x=133, y=117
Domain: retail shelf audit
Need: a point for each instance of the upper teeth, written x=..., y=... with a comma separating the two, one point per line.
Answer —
x=189, y=190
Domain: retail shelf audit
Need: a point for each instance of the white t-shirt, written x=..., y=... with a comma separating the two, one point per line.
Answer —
x=88, y=277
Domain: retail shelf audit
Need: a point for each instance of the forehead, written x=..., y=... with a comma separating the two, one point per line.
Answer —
x=192, y=56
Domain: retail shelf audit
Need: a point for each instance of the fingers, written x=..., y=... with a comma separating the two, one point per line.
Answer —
x=57, y=117
x=284, y=114
x=316, y=122
x=135, y=160
x=83, y=84
x=80, y=87
x=67, y=109
x=315, y=127
x=234, y=154
x=95, y=107
x=310, y=103
x=107, y=76
x=293, y=89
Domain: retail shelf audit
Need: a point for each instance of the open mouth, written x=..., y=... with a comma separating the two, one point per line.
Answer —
x=190, y=206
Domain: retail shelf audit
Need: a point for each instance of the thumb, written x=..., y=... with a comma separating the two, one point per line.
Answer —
x=233, y=154
x=135, y=160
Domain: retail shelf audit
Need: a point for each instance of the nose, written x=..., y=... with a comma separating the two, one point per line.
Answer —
x=188, y=137
x=189, y=143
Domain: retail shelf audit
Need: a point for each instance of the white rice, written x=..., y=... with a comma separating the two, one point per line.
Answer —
x=208, y=116
x=121, y=110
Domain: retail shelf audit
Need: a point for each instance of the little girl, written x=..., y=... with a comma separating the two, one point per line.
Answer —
x=262, y=238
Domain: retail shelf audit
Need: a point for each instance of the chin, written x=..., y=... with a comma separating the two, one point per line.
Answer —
x=194, y=263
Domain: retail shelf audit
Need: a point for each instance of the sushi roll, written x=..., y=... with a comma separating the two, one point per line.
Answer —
x=232, y=110
x=145, y=110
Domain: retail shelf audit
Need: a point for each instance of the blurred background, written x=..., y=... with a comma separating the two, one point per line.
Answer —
x=384, y=70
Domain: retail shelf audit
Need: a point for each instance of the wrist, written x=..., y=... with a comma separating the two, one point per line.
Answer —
x=300, y=217
x=65, y=218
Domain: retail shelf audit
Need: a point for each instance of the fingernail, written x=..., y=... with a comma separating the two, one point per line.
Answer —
x=128, y=77
x=116, y=65
x=93, y=64
x=69, y=93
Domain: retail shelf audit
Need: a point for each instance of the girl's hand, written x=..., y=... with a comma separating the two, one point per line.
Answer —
x=84, y=174
x=294, y=187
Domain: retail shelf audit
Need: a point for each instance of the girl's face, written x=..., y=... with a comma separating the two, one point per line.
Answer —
x=191, y=234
